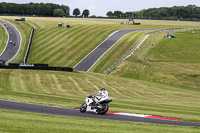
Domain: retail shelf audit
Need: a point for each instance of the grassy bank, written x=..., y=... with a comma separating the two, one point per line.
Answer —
x=30, y=122
x=70, y=89
x=3, y=38
x=184, y=49
x=169, y=61
x=59, y=46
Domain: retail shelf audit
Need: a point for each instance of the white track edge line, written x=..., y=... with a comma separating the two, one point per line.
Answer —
x=136, y=115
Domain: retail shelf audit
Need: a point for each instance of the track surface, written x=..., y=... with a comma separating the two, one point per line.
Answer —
x=99, y=51
x=13, y=35
x=75, y=113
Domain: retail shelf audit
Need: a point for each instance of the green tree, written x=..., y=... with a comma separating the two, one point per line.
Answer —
x=59, y=13
x=110, y=14
x=44, y=9
x=65, y=9
x=86, y=13
x=76, y=12
x=117, y=14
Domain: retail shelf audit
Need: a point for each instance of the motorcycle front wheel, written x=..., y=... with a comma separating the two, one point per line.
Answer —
x=103, y=110
x=83, y=108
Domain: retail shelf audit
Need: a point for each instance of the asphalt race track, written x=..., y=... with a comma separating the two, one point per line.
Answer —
x=11, y=48
x=99, y=51
x=76, y=113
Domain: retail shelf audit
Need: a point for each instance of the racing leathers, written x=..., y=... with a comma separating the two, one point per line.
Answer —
x=96, y=97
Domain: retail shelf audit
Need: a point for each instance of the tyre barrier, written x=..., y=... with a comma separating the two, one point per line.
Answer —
x=36, y=67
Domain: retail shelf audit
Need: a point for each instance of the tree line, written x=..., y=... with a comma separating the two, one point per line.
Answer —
x=191, y=12
x=43, y=9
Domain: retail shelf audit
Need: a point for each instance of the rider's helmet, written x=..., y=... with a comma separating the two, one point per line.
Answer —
x=103, y=89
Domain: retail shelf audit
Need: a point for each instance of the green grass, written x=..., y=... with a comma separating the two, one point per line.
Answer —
x=20, y=122
x=185, y=48
x=170, y=61
x=69, y=90
x=3, y=38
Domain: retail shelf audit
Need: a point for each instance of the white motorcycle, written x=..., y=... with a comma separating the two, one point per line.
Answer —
x=97, y=104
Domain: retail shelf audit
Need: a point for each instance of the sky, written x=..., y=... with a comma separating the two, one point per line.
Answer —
x=101, y=7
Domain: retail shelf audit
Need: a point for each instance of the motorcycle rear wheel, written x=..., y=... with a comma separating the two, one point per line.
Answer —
x=83, y=108
x=103, y=110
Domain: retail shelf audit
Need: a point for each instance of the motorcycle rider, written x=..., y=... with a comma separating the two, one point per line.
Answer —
x=97, y=102
x=98, y=95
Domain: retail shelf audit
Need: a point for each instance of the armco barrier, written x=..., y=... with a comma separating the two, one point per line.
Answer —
x=29, y=46
x=36, y=67
x=139, y=43
x=127, y=55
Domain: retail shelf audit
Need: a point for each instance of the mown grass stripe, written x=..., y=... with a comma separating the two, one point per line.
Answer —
x=128, y=90
x=93, y=86
x=62, y=54
x=47, y=38
x=61, y=32
x=38, y=82
x=113, y=89
x=43, y=35
x=77, y=86
x=83, y=51
x=56, y=49
x=57, y=84
x=48, y=47
x=37, y=47
x=22, y=84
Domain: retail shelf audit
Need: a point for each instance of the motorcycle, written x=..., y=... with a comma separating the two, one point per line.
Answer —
x=97, y=104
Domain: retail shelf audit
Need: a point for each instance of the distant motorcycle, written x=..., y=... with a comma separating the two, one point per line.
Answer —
x=97, y=102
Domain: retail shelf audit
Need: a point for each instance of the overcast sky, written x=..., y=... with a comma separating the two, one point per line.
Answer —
x=101, y=7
